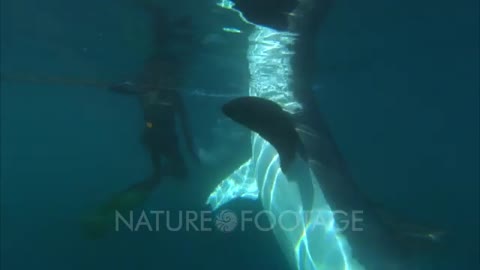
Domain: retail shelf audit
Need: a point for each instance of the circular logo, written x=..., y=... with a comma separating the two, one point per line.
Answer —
x=226, y=221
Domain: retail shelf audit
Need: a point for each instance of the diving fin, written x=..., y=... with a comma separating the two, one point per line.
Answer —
x=102, y=220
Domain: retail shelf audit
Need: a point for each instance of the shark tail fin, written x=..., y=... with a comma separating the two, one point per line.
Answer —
x=240, y=184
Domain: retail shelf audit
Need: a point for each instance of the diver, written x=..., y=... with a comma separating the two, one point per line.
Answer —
x=157, y=90
x=161, y=103
x=160, y=108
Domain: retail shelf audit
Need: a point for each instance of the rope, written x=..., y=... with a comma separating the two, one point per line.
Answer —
x=65, y=81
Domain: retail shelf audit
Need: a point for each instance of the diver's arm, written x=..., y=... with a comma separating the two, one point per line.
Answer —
x=185, y=122
x=127, y=88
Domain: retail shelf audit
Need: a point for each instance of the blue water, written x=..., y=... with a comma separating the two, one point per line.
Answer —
x=397, y=82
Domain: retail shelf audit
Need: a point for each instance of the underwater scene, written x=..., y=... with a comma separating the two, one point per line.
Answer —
x=239, y=134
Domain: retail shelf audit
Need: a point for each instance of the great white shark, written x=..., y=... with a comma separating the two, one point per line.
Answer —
x=281, y=61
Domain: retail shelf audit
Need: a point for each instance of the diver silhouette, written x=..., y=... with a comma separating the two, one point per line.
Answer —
x=160, y=108
x=156, y=87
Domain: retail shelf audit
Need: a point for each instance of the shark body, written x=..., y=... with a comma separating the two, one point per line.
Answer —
x=281, y=68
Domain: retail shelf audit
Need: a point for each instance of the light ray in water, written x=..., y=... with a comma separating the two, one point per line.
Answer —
x=232, y=30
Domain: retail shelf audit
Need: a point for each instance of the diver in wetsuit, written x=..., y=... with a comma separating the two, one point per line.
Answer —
x=156, y=87
x=160, y=138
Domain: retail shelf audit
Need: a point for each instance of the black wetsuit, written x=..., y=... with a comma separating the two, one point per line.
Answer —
x=160, y=135
x=161, y=108
x=157, y=87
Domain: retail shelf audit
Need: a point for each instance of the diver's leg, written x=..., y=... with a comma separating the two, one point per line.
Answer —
x=155, y=154
x=156, y=158
x=176, y=162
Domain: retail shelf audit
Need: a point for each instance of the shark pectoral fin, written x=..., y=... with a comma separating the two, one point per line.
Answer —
x=271, y=122
x=287, y=159
x=275, y=125
x=240, y=184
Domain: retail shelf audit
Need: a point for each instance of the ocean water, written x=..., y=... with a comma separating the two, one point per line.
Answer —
x=397, y=82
